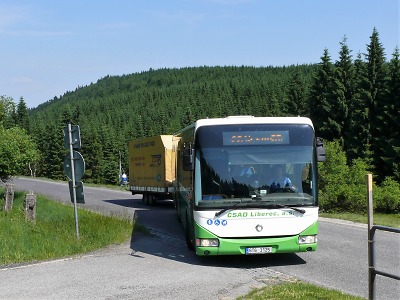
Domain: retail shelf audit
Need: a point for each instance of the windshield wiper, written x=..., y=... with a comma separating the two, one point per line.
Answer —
x=300, y=210
x=218, y=213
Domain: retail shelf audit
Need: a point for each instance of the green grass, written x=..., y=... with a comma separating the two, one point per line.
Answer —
x=297, y=290
x=53, y=235
x=391, y=220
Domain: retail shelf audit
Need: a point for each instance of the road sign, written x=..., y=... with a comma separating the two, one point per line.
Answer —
x=80, y=197
x=79, y=165
x=75, y=137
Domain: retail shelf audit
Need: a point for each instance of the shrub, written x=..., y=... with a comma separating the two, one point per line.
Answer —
x=342, y=187
x=387, y=196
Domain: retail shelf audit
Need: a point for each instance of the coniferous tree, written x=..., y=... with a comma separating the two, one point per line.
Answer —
x=357, y=142
x=188, y=118
x=53, y=153
x=345, y=76
x=139, y=127
x=22, y=115
x=374, y=84
x=155, y=102
x=92, y=150
x=320, y=99
x=297, y=99
x=110, y=160
x=391, y=118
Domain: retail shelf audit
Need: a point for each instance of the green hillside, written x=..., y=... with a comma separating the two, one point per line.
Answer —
x=353, y=102
x=117, y=109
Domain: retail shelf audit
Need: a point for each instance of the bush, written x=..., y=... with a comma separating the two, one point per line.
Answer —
x=387, y=196
x=342, y=187
x=332, y=179
x=16, y=150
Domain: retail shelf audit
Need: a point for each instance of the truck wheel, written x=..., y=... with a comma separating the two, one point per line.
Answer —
x=150, y=199
x=146, y=198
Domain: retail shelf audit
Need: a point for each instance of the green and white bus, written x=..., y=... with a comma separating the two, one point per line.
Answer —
x=225, y=192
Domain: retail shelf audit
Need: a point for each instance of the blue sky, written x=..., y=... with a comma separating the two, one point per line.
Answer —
x=49, y=47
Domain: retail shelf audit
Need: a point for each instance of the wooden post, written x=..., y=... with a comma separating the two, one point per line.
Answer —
x=371, y=248
x=8, y=197
x=30, y=206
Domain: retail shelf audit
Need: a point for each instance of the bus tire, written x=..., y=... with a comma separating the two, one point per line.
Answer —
x=189, y=242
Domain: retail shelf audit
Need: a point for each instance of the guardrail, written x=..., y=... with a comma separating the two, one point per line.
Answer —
x=372, y=272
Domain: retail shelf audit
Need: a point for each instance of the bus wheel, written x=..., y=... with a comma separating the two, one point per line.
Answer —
x=189, y=241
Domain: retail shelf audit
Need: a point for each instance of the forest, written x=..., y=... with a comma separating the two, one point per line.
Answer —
x=353, y=102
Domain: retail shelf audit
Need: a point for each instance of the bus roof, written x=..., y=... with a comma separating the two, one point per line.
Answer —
x=232, y=120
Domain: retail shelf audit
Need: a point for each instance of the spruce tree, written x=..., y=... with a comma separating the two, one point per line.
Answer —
x=345, y=77
x=391, y=118
x=53, y=152
x=321, y=99
x=297, y=99
x=22, y=115
x=357, y=142
x=374, y=85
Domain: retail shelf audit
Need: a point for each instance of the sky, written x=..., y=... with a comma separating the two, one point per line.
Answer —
x=50, y=47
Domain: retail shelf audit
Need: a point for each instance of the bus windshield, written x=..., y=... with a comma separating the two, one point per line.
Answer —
x=254, y=164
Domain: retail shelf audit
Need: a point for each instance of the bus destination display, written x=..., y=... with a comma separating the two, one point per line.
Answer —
x=256, y=138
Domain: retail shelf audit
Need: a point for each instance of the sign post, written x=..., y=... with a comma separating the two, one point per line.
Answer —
x=74, y=167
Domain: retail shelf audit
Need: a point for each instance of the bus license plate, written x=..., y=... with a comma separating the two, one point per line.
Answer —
x=258, y=250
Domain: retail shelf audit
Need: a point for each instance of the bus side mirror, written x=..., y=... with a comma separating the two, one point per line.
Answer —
x=188, y=154
x=321, y=153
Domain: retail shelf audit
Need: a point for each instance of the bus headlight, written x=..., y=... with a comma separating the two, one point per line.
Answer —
x=308, y=239
x=207, y=242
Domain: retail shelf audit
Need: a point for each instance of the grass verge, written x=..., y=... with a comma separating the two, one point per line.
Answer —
x=53, y=235
x=295, y=291
x=391, y=220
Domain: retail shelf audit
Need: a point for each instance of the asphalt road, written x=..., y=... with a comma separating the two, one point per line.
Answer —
x=161, y=267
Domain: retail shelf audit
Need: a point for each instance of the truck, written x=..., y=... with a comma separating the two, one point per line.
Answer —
x=242, y=185
x=152, y=168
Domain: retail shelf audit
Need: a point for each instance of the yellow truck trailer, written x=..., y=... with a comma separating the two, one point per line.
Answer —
x=152, y=167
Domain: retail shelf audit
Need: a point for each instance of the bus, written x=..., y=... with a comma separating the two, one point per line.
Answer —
x=226, y=192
